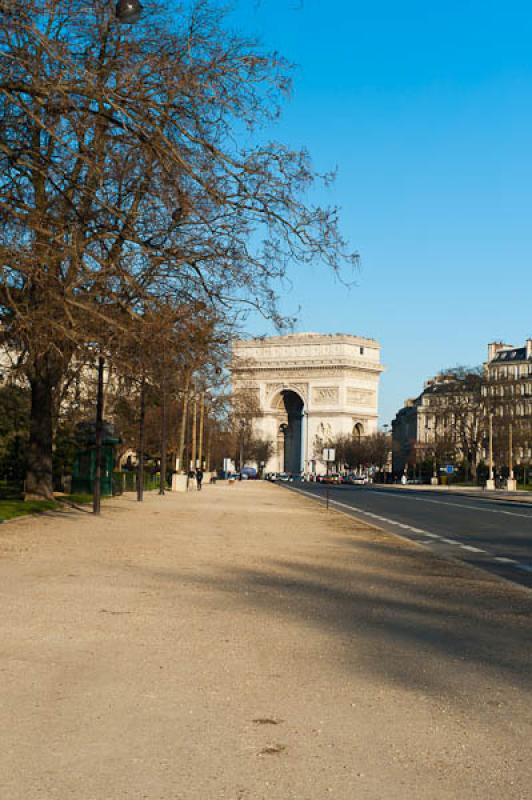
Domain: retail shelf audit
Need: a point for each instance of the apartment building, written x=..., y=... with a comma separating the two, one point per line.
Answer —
x=449, y=420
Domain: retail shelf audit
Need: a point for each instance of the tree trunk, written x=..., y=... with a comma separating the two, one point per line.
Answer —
x=39, y=478
x=201, y=427
x=164, y=443
x=193, y=455
x=182, y=434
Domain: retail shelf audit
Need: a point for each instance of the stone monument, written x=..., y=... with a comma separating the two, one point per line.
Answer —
x=308, y=388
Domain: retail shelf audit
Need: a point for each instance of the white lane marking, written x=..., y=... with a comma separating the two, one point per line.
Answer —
x=456, y=505
x=370, y=514
x=500, y=559
x=377, y=516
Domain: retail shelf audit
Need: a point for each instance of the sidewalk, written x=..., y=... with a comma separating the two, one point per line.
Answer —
x=242, y=643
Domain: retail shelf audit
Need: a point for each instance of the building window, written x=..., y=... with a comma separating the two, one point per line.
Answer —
x=361, y=351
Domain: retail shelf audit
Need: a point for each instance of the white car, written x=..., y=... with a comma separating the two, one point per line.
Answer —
x=357, y=480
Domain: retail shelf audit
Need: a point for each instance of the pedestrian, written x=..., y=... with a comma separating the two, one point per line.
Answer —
x=191, y=477
x=199, y=478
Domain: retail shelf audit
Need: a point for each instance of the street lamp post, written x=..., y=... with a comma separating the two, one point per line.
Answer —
x=490, y=483
x=241, y=448
x=511, y=483
x=434, y=480
x=127, y=12
x=304, y=444
x=388, y=468
x=142, y=438
x=97, y=486
x=283, y=427
x=164, y=440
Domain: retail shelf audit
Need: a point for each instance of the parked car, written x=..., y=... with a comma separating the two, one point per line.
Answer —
x=334, y=478
x=283, y=476
x=356, y=480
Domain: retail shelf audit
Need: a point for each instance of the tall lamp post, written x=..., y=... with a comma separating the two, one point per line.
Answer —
x=389, y=453
x=127, y=12
x=490, y=483
x=434, y=480
x=242, y=426
x=97, y=485
x=511, y=483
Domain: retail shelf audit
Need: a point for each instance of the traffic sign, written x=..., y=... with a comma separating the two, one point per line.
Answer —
x=449, y=469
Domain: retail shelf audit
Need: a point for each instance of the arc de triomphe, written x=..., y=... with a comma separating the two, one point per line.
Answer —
x=308, y=388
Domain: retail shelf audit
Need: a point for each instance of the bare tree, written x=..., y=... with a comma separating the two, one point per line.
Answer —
x=260, y=450
x=124, y=173
x=378, y=446
x=368, y=451
x=457, y=414
x=153, y=362
x=243, y=409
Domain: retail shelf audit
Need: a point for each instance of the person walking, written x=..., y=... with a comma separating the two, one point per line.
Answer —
x=199, y=478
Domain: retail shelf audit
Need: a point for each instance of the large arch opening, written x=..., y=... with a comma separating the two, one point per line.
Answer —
x=358, y=431
x=291, y=430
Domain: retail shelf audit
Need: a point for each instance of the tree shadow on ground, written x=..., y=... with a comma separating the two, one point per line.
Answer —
x=395, y=612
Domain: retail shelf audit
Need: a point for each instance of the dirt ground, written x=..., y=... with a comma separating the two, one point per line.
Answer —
x=243, y=643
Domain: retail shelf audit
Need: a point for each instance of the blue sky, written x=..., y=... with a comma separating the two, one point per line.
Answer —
x=426, y=111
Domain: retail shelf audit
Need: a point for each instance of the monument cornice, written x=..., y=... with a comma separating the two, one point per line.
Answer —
x=324, y=412
x=308, y=338
x=323, y=366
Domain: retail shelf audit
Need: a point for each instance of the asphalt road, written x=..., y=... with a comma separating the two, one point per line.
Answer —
x=492, y=534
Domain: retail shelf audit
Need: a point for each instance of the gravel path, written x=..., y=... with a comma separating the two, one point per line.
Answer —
x=242, y=643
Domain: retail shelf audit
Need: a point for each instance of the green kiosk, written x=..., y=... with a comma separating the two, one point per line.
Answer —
x=84, y=466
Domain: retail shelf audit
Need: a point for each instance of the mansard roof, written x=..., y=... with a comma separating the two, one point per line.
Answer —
x=515, y=354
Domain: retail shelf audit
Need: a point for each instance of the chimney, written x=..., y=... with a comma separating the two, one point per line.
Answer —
x=529, y=348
